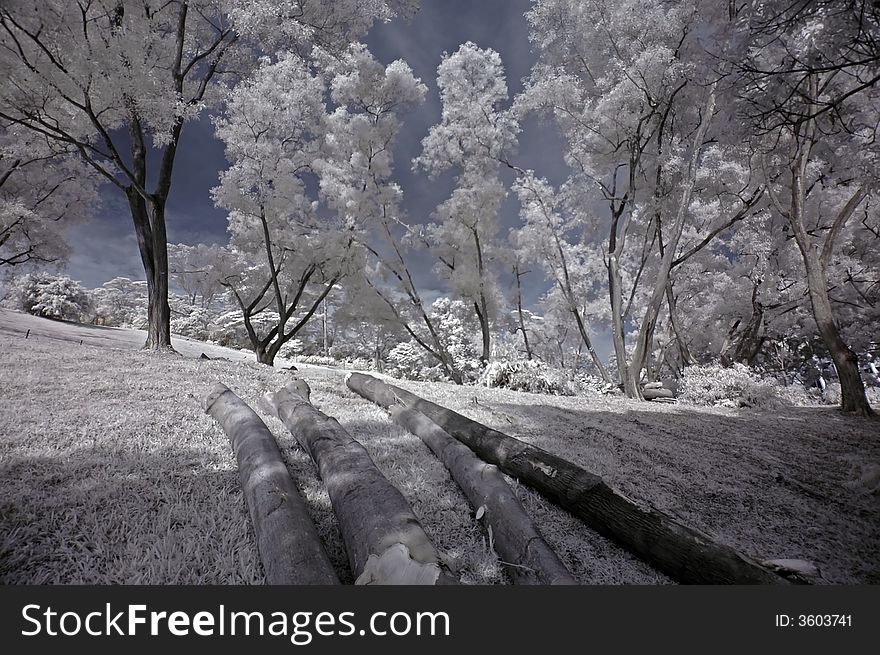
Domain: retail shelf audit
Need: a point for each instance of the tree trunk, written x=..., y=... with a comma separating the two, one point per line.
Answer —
x=645, y=334
x=482, y=311
x=384, y=540
x=519, y=310
x=628, y=378
x=265, y=356
x=687, y=359
x=852, y=389
x=515, y=537
x=290, y=548
x=149, y=225
x=682, y=553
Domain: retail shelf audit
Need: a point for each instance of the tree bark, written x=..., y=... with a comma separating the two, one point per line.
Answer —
x=816, y=260
x=149, y=225
x=290, y=548
x=519, y=309
x=682, y=553
x=687, y=359
x=514, y=535
x=628, y=378
x=852, y=388
x=645, y=334
x=750, y=341
x=384, y=540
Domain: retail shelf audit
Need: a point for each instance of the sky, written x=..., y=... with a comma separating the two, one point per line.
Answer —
x=106, y=247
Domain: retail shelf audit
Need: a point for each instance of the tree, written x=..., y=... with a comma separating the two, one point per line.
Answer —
x=282, y=249
x=117, y=80
x=808, y=89
x=546, y=237
x=355, y=174
x=194, y=270
x=42, y=190
x=631, y=90
x=120, y=302
x=474, y=135
x=521, y=314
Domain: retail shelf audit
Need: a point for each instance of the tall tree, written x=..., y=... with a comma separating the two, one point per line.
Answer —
x=629, y=87
x=474, y=135
x=355, y=176
x=554, y=238
x=118, y=79
x=809, y=91
x=288, y=255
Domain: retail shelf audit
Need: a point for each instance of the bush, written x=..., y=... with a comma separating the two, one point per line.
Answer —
x=50, y=296
x=523, y=375
x=587, y=383
x=195, y=325
x=318, y=360
x=735, y=386
x=406, y=360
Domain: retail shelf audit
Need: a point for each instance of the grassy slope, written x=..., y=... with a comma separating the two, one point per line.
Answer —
x=111, y=472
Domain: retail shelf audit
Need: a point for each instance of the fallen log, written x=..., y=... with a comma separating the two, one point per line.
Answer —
x=656, y=393
x=514, y=535
x=684, y=554
x=384, y=540
x=290, y=548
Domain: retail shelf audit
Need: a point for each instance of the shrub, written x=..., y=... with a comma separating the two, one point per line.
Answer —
x=524, y=375
x=587, y=383
x=195, y=325
x=735, y=386
x=406, y=361
x=51, y=296
x=318, y=360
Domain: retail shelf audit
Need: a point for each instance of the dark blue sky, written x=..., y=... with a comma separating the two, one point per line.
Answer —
x=106, y=246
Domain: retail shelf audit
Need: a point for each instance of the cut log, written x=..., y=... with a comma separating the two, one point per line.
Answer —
x=384, y=540
x=684, y=554
x=290, y=548
x=653, y=394
x=515, y=537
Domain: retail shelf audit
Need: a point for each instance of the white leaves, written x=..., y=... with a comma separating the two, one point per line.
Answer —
x=474, y=132
x=362, y=81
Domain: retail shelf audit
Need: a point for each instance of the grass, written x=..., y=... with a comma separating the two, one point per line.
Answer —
x=110, y=471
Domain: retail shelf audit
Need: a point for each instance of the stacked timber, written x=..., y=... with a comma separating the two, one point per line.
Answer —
x=529, y=559
x=683, y=553
x=290, y=548
x=384, y=540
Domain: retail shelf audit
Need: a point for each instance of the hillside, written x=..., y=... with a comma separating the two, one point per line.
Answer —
x=110, y=471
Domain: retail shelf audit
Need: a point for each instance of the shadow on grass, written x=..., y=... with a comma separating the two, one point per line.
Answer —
x=113, y=516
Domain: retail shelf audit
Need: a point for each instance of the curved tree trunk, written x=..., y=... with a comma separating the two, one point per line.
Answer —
x=515, y=537
x=682, y=553
x=384, y=540
x=816, y=258
x=852, y=388
x=290, y=548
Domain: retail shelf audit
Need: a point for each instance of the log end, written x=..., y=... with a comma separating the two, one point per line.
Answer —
x=300, y=388
x=396, y=566
x=218, y=390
